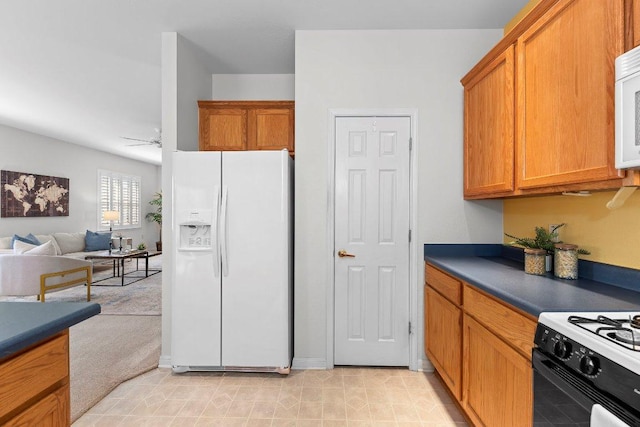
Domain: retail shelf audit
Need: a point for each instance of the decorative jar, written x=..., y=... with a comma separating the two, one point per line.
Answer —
x=565, y=264
x=534, y=261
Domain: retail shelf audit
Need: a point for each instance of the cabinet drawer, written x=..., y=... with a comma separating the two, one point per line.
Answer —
x=27, y=375
x=447, y=285
x=513, y=327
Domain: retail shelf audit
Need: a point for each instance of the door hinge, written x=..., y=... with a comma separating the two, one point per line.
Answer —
x=409, y=328
x=410, y=144
x=409, y=235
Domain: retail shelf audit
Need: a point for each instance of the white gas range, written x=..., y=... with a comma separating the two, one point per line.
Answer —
x=593, y=358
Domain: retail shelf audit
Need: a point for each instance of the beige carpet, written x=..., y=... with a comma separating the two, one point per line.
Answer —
x=119, y=344
x=107, y=350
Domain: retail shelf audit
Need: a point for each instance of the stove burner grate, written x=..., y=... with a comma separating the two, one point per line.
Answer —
x=625, y=336
x=615, y=330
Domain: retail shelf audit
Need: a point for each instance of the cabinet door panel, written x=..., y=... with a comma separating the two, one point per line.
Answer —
x=51, y=411
x=33, y=372
x=566, y=94
x=497, y=380
x=636, y=23
x=489, y=128
x=443, y=338
x=223, y=129
x=270, y=129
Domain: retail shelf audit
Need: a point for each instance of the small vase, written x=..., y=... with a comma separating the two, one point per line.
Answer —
x=548, y=266
x=535, y=261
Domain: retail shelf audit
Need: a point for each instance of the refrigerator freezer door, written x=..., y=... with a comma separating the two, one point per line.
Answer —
x=196, y=328
x=256, y=290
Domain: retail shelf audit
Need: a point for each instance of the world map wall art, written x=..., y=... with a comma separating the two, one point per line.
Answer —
x=31, y=195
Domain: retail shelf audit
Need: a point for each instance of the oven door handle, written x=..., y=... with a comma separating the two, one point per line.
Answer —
x=554, y=374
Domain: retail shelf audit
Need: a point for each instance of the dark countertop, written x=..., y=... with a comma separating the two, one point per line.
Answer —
x=506, y=279
x=25, y=323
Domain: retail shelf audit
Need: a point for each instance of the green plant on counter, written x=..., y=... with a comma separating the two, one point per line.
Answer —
x=142, y=247
x=543, y=240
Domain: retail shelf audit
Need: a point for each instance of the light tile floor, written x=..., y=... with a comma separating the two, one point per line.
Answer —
x=338, y=397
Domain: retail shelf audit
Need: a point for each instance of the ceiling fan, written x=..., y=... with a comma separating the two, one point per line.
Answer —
x=156, y=141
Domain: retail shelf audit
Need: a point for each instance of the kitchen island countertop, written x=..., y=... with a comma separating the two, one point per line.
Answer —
x=23, y=324
x=506, y=279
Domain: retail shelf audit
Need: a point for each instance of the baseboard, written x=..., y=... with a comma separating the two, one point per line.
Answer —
x=164, y=362
x=308, y=363
x=300, y=363
x=425, y=365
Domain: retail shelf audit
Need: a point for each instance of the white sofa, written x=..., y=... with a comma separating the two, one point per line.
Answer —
x=37, y=274
x=70, y=245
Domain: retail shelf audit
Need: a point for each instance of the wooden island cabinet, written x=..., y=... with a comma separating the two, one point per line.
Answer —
x=246, y=125
x=481, y=348
x=35, y=385
x=543, y=122
x=34, y=361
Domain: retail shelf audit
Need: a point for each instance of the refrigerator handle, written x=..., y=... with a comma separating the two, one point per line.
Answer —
x=223, y=231
x=215, y=226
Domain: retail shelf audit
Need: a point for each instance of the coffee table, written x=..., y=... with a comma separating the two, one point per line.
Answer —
x=118, y=262
x=146, y=257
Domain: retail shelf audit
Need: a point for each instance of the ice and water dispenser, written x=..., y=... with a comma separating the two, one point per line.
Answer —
x=196, y=231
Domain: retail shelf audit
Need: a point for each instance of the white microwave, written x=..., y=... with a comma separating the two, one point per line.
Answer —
x=628, y=109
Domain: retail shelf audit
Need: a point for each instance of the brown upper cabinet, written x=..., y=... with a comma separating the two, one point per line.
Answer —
x=246, y=125
x=554, y=131
x=489, y=99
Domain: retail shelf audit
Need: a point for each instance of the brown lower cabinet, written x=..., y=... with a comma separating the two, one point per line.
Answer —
x=481, y=348
x=497, y=379
x=34, y=389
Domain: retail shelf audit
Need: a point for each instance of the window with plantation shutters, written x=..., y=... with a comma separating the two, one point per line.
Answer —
x=121, y=193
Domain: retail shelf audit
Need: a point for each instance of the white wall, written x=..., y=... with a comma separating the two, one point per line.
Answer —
x=194, y=83
x=184, y=82
x=28, y=152
x=253, y=87
x=381, y=69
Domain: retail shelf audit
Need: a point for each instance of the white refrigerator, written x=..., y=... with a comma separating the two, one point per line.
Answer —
x=232, y=248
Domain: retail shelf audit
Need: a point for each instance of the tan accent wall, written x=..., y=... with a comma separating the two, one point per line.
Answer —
x=520, y=15
x=612, y=236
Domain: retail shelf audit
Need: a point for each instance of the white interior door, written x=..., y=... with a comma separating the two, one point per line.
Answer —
x=372, y=227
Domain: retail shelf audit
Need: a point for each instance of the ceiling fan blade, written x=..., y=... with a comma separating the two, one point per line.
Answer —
x=137, y=139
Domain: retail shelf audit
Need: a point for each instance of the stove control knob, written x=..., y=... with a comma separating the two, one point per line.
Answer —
x=562, y=349
x=589, y=365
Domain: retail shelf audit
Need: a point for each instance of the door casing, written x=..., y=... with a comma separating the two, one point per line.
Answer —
x=414, y=247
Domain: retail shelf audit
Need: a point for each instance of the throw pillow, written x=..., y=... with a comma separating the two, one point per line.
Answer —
x=44, y=249
x=96, y=241
x=44, y=238
x=29, y=238
x=70, y=242
x=20, y=247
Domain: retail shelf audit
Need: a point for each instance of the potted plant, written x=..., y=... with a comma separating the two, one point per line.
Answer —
x=542, y=245
x=156, y=216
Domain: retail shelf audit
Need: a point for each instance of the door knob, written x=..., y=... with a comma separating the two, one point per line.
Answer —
x=342, y=253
